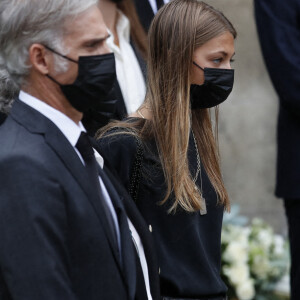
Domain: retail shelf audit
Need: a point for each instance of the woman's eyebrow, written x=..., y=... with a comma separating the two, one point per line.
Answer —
x=224, y=53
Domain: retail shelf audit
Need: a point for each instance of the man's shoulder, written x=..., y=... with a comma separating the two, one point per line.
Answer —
x=13, y=135
x=20, y=144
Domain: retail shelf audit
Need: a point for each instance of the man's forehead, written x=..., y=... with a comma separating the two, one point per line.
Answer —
x=86, y=25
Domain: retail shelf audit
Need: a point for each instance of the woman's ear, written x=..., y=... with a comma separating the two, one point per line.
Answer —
x=40, y=58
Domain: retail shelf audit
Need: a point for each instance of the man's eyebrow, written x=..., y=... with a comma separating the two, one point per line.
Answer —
x=97, y=40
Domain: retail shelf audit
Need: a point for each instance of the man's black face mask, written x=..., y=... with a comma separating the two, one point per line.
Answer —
x=217, y=86
x=94, y=82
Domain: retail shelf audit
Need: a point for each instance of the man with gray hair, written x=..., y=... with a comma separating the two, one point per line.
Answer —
x=64, y=229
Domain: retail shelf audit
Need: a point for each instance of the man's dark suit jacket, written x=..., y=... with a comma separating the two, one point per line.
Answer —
x=278, y=24
x=2, y=117
x=54, y=239
x=145, y=12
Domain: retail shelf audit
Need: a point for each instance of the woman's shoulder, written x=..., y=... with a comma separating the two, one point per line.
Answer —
x=119, y=144
x=118, y=147
x=124, y=133
x=120, y=138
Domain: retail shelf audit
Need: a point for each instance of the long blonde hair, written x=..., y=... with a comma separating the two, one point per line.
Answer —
x=177, y=30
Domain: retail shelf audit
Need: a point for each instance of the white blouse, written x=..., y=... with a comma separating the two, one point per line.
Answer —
x=129, y=73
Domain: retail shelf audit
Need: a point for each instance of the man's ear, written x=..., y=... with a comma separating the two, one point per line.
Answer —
x=40, y=58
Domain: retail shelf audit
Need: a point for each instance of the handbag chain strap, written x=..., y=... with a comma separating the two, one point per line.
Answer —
x=135, y=177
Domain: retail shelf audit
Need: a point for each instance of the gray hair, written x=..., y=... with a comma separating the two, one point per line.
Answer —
x=9, y=91
x=25, y=22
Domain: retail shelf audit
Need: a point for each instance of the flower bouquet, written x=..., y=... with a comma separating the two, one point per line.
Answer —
x=254, y=258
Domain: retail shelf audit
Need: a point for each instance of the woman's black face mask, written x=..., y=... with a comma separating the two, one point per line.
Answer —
x=93, y=85
x=217, y=86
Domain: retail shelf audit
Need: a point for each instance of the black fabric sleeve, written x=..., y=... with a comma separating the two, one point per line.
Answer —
x=278, y=25
x=119, y=152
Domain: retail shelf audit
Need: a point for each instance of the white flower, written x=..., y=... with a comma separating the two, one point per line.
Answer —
x=261, y=266
x=243, y=237
x=253, y=256
x=265, y=238
x=246, y=291
x=235, y=233
x=237, y=273
x=278, y=245
x=236, y=253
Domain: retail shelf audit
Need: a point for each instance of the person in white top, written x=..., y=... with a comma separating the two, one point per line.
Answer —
x=129, y=73
x=128, y=41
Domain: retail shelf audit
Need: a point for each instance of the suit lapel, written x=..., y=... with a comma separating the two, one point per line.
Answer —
x=127, y=245
x=37, y=123
x=70, y=158
x=110, y=188
x=140, y=226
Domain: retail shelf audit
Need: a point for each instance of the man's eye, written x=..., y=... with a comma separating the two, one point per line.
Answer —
x=92, y=45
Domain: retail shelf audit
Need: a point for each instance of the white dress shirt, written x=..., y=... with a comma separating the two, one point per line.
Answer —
x=129, y=73
x=154, y=5
x=141, y=253
x=72, y=131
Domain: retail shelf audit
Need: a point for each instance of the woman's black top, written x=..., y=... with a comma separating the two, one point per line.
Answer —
x=188, y=244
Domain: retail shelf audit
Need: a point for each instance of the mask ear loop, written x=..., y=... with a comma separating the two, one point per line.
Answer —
x=50, y=77
x=198, y=66
x=61, y=55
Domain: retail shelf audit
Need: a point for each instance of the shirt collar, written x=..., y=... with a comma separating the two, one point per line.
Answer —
x=123, y=26
x=123, y=30
x=67, y=126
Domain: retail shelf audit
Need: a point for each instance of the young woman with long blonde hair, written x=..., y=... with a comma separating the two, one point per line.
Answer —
x=166, y=153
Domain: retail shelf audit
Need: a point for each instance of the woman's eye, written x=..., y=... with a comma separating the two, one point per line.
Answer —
x=217, y=60
x=232, y=61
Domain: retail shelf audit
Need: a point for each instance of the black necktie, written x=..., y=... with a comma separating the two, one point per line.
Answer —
x=85, y=148
x=159, y=3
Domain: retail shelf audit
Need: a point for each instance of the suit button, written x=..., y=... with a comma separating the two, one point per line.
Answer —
x=150, y=228
x=158, y=270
